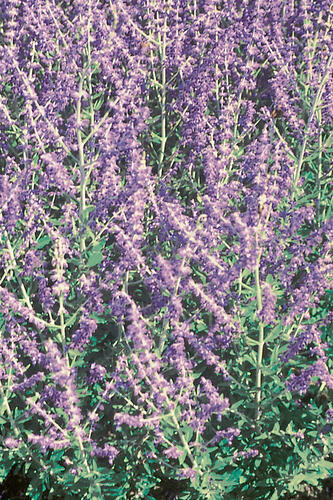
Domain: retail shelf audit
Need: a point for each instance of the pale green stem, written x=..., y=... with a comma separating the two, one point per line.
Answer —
x=260, y=340
x=236, y=117
x=284, y=142
x=62, y=326
x=182, y=438
x=158, y=43
x=174, y=419
x=20, y=282
x=195, y=9
x=315, y=104
x=125, y=286
x=240, y=282
x=320, y=161
x=217, y=83
x=95, y=485
x=17, y=432
x=135, y=26
x=29, y=305
x=92, y=114
x=185, y=445
x=163, y=100
x=82, y=169
x=5, y=396
x=40, y=109
x=57, y=26
x=161, y=338
x=98, y=125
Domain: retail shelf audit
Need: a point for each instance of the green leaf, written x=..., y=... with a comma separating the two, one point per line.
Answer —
x=95, y=258
x=199, y=370
x=43, y=241
x=72, y=320
x=274, y=356
x=325, y=463
x=206, y=460
x=74, y=352
x=299, y=478
x=274, y=334
x=99, y=319
x=201, y=326
x=188, y=434
x=269, y=279
x=182, y=457
x=236, y=405
x=289, y=429
x=311, y=478
x=276, y=429
x=264, y=435
x=236, y=477
x=250, y=341
x=251, y=358
x=156, y=138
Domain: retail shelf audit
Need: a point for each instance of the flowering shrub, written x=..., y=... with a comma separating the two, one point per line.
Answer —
x=165, y=246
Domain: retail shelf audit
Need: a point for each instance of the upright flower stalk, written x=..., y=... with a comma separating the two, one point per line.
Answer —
x=83, y=178
x=261, y=341
x=315, y=104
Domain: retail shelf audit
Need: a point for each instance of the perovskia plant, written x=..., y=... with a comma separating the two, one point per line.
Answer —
x=165, y=246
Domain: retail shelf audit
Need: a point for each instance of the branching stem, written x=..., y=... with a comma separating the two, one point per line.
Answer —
x=260, y=340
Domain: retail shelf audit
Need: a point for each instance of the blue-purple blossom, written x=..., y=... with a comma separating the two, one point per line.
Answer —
x=11, y=442
x=173, y=452
x=109, y=452
x=187, y=473
x=96, y=373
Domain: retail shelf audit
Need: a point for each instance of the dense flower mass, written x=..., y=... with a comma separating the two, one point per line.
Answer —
x=165, y=245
